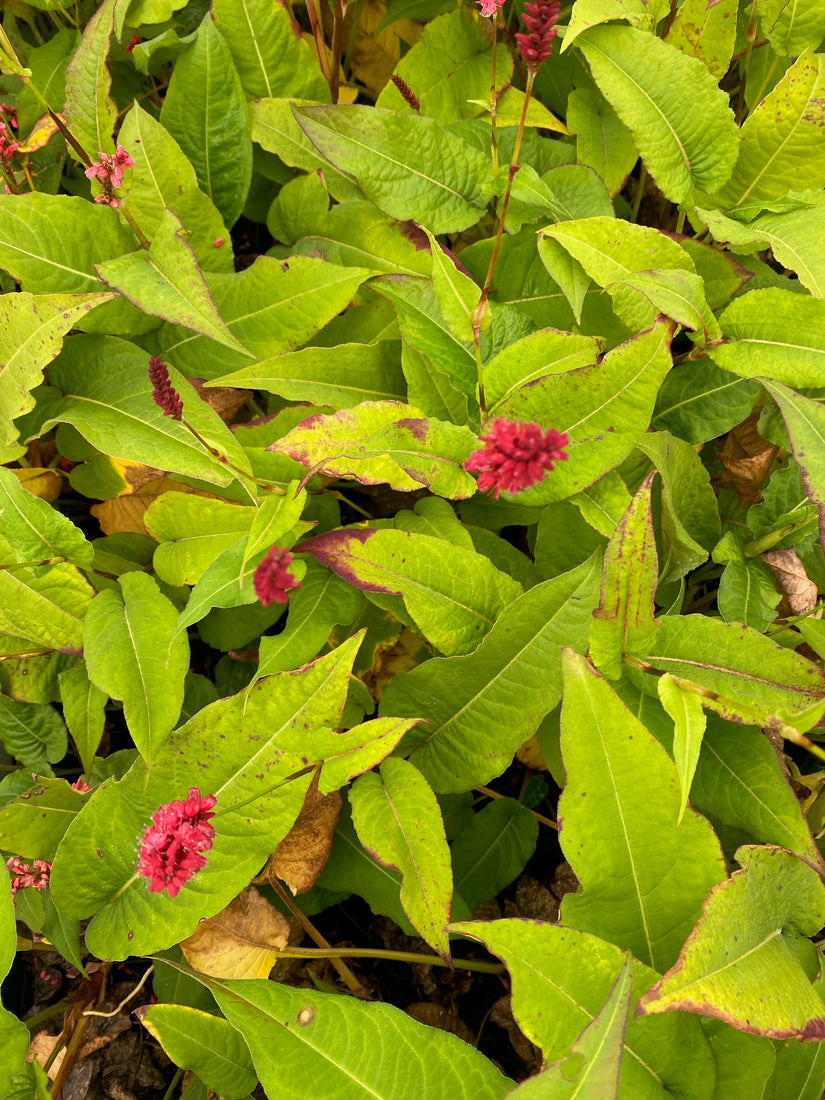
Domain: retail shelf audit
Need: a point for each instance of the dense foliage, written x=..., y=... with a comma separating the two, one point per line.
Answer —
x=413, y=445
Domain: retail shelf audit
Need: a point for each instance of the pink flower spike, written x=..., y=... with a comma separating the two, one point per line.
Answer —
x=515, y=456
x=80, y=785
x=23, y=874
x=490, y=7
x=170, y=848
x=271, y=579
x=164, y=396
x=540, y=20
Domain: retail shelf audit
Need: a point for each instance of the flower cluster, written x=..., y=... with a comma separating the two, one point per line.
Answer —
x=540, y=20
x=80, y=785
x=515, y=456
x=8, y=146
x=24, y=874
x=171, y=846
x=409, y=96
x=271, y=579
x=164, y=396
x=109, y=171
x=490, y=7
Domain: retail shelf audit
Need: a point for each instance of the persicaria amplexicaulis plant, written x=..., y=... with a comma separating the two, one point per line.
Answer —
x=272, y=579
x=171, y=847
x=515, y=456
x=163, y=393
x=108, y=171
x=24, y=873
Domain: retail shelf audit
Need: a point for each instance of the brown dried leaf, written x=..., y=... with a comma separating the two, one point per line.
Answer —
x=125, y=513
x=300, y=857
x=242, y=941
x=221, y=399
x=41, y=1048
x=747, y=459
x=530, y=755
x=502, y=1014
x=376, y=55
x=441, y=1017
x=799, y=594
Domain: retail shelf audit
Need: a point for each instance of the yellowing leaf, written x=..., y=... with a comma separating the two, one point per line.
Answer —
x=43, y=483
x=376, y=55
x=242, y=941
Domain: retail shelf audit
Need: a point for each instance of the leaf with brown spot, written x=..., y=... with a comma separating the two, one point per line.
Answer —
x=747, y=459
x=242, y=941
x=799, y=594
x=301, y=855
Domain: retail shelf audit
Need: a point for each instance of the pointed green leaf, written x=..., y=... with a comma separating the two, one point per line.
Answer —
x=457, y=294
x=35, y=529
x=33, y=826
x=482, y=707
x=45, y=605
x=678, y=115
x=326, y=1044
x=689, y=719
x=13, y=1032
x=698, y=401
x=493, y=850
x=592, y=13
x=453, y=595
x=679, y=295
x=204, y=110
x=643, y=875
x=193, y=531
x=792, y=26
x=805, y=421
x=32, y=328
x=90, y=112
x=208, y=1045
x=706, y=33
x=623, y=622
x=346, y=755
x=561, y=978
x=541, y=353
x=397, y=819
x=83, y=709
x=740, y=964
x=604, y=503
x=603, y=142
x=134, y=654
x=166, y=282
x=775, y=333
x=34, y=734
x=747, y=591
x=408, y=165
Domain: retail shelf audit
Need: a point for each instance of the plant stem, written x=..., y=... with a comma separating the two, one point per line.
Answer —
x=320, y=45
x=411, y=957
x=337, y=41
x=494, y=102
x=637, y=198
x=750, y=38
x=539, y=817
x=173, y=1084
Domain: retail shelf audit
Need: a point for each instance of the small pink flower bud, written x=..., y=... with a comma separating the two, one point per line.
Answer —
x=271, y=579
x=515, y=456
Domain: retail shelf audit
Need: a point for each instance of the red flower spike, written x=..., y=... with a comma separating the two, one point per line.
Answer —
x=540, y=20
x=490, y=7
x=170, y=848
x=408, y=95
x=271, y=578
x=23, y=874
x=515, y=456
x=163, y=395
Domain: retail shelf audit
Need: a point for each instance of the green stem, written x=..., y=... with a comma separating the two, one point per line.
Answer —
x=173, y=1084
x=378, y=953
x=750, y=38
x=337, y=43
x=10, y=566
x=494, y=102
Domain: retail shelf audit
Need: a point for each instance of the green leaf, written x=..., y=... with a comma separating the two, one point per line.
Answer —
x=165, y=281
x=799, y=1072
x=458, y=296
x=745, y=669
x=593, y=1065
x=349, y=754
x=397, y=819
x=775, y=333
x=386, y=441
x=33, y=825
x=679, y=117
x=689, y=719
x=698, y=401
x=163, y=179
x=35, y=529
x=805, y=422
x=743, y=1062
x=643, y=875
x=358, y=234
x=32, y=328
x=134, y=654
x=338, y=376
x=45, y=605
x=623, y=622
x=83, y=709
x=326, y=1041
x=270, y=308
x=745, y=944
x=250, y=748
x=708, y=34
x=34, y=734
x=603, y=142
x=493, y=850
x=408, y=165
x=747, y=591
x=13, y=1032
x=90, y=112
x=604, y=409
x=271, y=57
x=193, y=531
x=539, y=354
x=106, y=394
x=204, y=110
x=482, y=707
x=206, y=1044
x=792, y=27
x=561, y=978
x=604, y=503
x=453, y=595
x=782, y=148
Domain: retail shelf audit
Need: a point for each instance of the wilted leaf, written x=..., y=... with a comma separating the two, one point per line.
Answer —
x=301, y=855
x=799, y=593
x=242, y=941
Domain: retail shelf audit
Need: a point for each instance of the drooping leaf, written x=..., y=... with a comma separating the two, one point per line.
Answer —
x=83, y=710
x=34, y=826
x=45, y=605
x=482, y=707
x=741, y=964
x=193, y=531
x=398, y=821
x=493, y=850
x=90, y=111
x=698, y=401
x=747, y=592
x=805, y=422
x=206, y=1044
x=33, y=734
x=35, y=530
x=689, y=719
x=706, y=33
x=541, y=353
x=602, y=140
x=774, y=333
x=643, y=875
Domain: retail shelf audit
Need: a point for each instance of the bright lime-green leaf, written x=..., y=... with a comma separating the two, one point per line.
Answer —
x=774, y=333
x=603, y=142
x=83, y=709
x=782, y=144
x=33, y=826
x=349, y=754
x=740, y=965
x=482, y=707
x=204, y=110
x=623, y=622
x=271, y=58
x=604, y=503
x=689, y=719
x=676, y=294
x=541, y=353
x=134, y=654
x=193, y=531
x=384, y=441
x=89, y=111
x=162, y=179
x=493, y=850
x=678, y=115
x=706, y=33
x=34, y=734
x=643, y=875
x=250, y=748
x=397, y=819
x=566, y=272
x=32, y=328
x=743, y=1062
x=792, y=26
x=592, y=13
x=358, y=234
x=561, y=978
x=805, y=422
x=408, y=165
x=14, y=1034
x=35, y=530
x=165, y=281
x=45, y=605
x=799, y=1071
x=327, y=1045
x=457, y=294
x=208, y=1045
x=747, y=590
